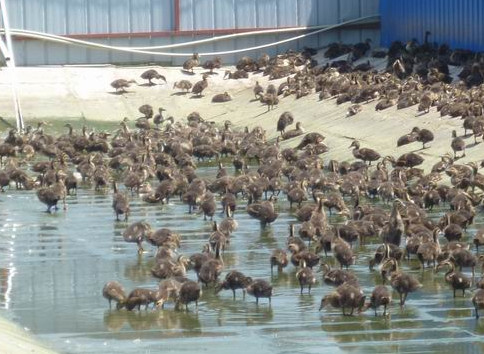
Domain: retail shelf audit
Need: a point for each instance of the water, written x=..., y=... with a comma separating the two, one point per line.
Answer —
x=53, y=267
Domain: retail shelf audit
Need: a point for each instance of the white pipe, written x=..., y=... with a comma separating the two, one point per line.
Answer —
x=10, y=61
x=66, y=40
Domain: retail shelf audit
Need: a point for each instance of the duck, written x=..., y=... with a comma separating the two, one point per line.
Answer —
x=364, y=154
x=191, y=63
x=263, y=211
x=424, y=136
x=310, y=138
x=297, y=194
x=238, y=74
x=137, y=232
x=166, y=267
x=258, y=90
x=215, y=63
x=163, y=237
x=305, y=276
x=456, y=280
x=221, y=97
x=120, y=203
x=478, y=239
x=183, y=85
x=189, y=292
x=285, y=120
x=458, y=144
x=336, y=277
x=401, y=282
x=478, y=301
x=234, y=280
x=138, y=297
x=278, y=258
x=113, y=290
x=346, y=296
x=429, y=251
x=120, y=85
x=270, y=100
x=198, y=259
x=151, y=74
x=380, y=296
x=51, y=195
x=211, y=269
x=168, y=289
x=294, y=132
x=200, y=86
x=259, y=288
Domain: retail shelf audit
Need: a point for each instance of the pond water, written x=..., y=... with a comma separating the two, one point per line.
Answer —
x=53, y=267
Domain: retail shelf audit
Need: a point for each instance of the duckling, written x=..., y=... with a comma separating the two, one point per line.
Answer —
x=478, y=239
x=114, y=291
x=234, y=280
x=430, y=250
x=270, y=100
x=311, y=259
x=120, y=85
x=198, y=259
x=263, y=211
x=259, y=288
x=401, y=282
x=458, y=144
x=151, y=74
x=380, y=296
x=305, y=276
x=200, y=86
x=294, y=132
x=221, y=97
x=310, y=138
x=364, y=154
x=138, y=297
x=258, y=90
x=189, y=64
x=216, y=63
x=464, y=258
x=336, y=277
x=120, y=203
x=285, y=120
x=297, y=194
x=137, y=232
x=278, y=258
x=457, y=280
x=345, y=296
x=229, y=224
x=384, y=251
x=238, y=74
x=163, y=237
x=165, y=267
x=478, y=301
x=424, y=136
x=190, y=291
x=210, y=270
x=342, y=251
x=168, y=289
x=354, y=109
x=52, y=194
x=183, y=85
x=208, y=206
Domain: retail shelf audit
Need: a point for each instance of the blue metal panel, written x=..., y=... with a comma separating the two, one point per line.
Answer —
x=119, y=15
x=224, y=14
x=328, y=12
x=458, y=23
x=265, y=13
x=77, y=17
x=162, y=15
x=55, y=16
x=34, y=15
x=15, y=13
x=97, y=16
x=203, y=14
x=186, y=15
x=140, y=16
x=286, y=13
x=56, y=54
x=349, y=9
x=307, y=12
x=245, y=14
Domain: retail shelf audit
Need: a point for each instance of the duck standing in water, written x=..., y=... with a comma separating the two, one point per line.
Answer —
x=259, y=288
x=120, y=203
x=114, y=291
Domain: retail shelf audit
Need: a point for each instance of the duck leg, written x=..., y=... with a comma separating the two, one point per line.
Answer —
x=233, y=291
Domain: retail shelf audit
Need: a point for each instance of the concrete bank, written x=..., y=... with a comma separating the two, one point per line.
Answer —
x=68, y=93
x=15, y=340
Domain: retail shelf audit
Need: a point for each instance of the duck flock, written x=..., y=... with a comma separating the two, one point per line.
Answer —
x=126, y=163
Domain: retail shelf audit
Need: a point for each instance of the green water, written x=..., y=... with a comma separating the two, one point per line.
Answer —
x=53, y=267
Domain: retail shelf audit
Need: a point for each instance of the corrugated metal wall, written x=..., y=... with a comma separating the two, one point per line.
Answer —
x=455, y=22
x=150, y=23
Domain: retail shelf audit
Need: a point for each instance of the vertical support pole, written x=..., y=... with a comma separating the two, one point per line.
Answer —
x=176, y=11
x=7, y=51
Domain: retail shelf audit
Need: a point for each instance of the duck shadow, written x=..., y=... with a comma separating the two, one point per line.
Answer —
x=117, y=93
x=188, y=73
x=196, y=97
x=148, y=84
x=209, y=73
x=261, y=114
x=254, y=100
x=179, y=93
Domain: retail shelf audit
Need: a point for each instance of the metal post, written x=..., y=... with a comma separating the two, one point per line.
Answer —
x=6, y=47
